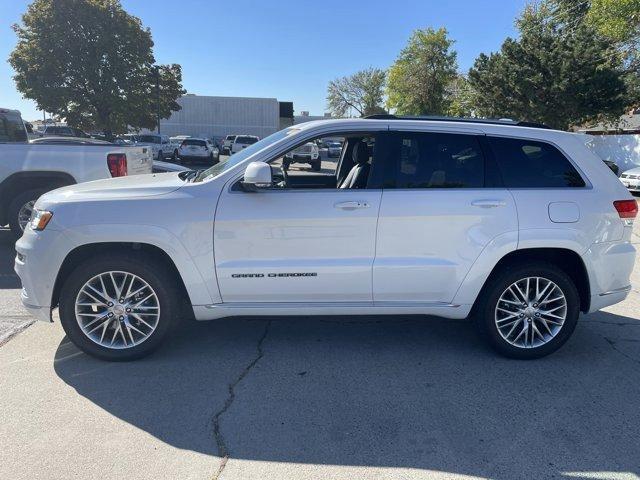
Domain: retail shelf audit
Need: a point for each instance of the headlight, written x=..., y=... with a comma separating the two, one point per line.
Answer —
x=40, y=219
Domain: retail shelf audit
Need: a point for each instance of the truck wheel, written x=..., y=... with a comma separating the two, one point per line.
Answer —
x=119, y=306
x=20, y=209
x=528, y=311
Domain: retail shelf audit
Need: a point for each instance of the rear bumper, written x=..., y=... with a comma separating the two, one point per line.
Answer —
x=196, y=158
x=302, y=158
x=609, y=266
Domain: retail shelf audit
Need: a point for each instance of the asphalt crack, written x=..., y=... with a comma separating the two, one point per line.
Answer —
x=612, y=344
x=223, y=449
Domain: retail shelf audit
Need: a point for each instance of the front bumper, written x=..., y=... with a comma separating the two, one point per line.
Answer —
x=39, y=256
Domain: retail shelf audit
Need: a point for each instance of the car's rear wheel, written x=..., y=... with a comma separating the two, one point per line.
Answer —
x=20, y=209
x=119, y=307
x=528, y=311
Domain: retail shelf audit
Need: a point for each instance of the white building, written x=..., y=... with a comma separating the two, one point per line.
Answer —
x=216, y=117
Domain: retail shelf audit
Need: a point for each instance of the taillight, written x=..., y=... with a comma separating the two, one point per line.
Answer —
x=626, y=208
x=117, y=163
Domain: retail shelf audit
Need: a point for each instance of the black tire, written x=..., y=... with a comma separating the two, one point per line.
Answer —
x=485, y=310
x=316, y=166
x=17, y=203
x=156, y=275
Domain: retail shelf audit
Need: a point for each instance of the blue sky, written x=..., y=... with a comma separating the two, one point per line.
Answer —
x=286, y=49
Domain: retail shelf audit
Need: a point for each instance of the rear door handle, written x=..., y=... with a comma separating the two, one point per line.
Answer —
x=351, y=205
x=488, y=203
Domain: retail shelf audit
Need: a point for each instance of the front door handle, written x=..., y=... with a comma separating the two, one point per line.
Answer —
x=351, y=205
x=488, y=203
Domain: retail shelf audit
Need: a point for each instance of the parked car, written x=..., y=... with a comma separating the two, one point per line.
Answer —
x=334, y=149
x=29, y=169
x=307, y=153
x=198, y=150
x=130, y=137
x=243, y=141
x=160, y=145
x=63, y=131
x=176, y=141
x=519, y=228
x=226, y=144
x=631, y=179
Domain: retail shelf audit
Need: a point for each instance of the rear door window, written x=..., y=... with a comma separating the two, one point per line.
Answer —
x=531, y=164
x=433, y=160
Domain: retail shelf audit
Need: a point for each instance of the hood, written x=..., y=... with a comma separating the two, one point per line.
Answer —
x=134, y=186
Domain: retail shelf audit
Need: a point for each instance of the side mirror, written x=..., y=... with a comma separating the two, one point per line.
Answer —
x=257, y=176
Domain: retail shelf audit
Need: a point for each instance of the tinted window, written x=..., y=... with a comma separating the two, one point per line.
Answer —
x=148, y=139
x=246, y=140
x=58, y=131
x=12, y=128
x=189, y=141
x=526, y=163
x=434, y=160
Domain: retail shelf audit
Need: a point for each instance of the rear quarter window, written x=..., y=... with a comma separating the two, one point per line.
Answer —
x=532, y=164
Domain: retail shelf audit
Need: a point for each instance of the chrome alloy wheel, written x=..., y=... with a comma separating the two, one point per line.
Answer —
x=531, y=312
x=117, y=310
x=24, y=214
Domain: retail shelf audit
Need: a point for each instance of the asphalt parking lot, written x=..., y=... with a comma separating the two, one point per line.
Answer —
x=321, y=398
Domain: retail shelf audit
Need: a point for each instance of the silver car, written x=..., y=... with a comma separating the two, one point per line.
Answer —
x=631, y=179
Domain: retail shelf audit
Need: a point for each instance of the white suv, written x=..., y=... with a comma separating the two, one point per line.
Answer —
x=519, y=228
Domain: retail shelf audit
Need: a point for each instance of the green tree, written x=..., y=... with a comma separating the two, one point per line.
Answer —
x=554, y=73
x=462, y=97
x=420, y=78
x=91, y=63
x=616, y=19
x=363, y=92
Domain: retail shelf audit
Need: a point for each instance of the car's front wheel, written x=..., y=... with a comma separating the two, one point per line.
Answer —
x=528, y=311
x=118, y=307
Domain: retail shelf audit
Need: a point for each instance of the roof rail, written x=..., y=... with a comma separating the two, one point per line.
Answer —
x=428, y=118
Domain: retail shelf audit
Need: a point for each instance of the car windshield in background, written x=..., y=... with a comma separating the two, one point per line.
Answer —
x=148, y=139
x=199, y=143
x=245, y=153
x=246, y=140
x=58, y=131
x=11, y=128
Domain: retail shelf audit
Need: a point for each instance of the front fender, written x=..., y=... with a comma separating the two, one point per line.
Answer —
x=197, y=288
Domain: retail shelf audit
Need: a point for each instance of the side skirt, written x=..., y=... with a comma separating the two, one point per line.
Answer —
x=222, y=310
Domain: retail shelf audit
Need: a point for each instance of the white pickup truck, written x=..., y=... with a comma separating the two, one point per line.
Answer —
x=27, y=170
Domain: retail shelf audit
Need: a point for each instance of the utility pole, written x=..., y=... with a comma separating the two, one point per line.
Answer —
x=157, y=75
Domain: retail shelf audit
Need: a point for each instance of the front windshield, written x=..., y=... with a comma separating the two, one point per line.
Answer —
x=235, y=159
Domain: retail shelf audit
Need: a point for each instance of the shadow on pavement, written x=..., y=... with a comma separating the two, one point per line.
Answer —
x=8, y=278
x=408, y=392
